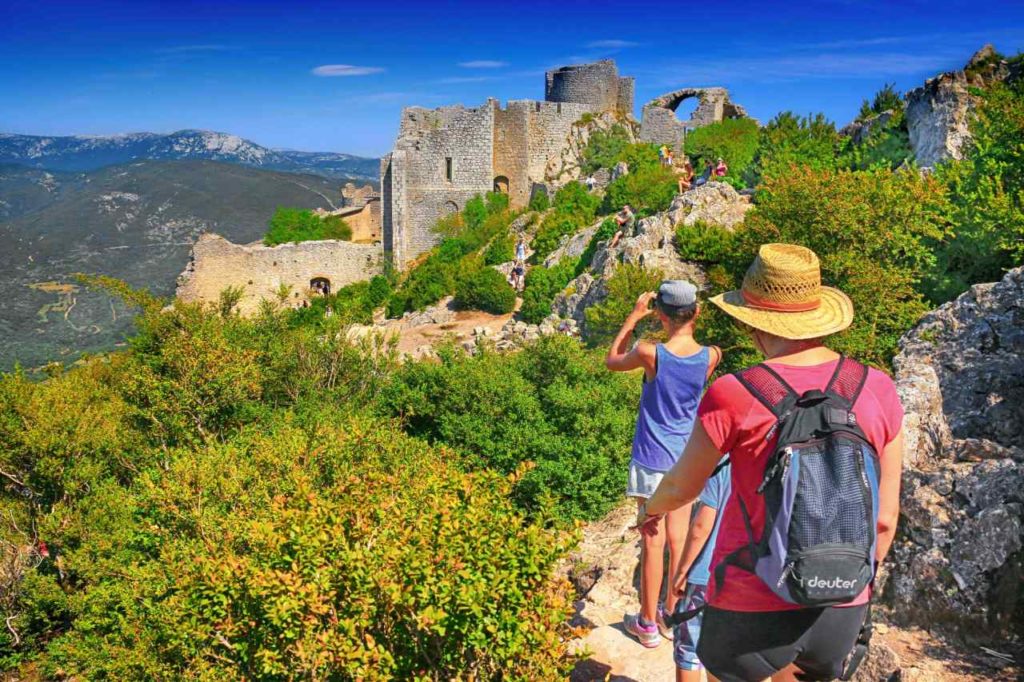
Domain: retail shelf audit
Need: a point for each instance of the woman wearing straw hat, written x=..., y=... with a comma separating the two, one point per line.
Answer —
x=749, y=631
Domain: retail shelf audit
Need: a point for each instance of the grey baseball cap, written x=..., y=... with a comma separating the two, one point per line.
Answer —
x=677, y=293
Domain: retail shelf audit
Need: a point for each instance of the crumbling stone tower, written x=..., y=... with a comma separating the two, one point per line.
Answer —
x=443, y=157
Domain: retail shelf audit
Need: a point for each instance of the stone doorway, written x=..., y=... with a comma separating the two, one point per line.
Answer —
x=320, y=286
x=501, y=184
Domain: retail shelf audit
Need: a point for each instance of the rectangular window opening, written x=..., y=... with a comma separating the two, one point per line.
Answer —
x=448, y=168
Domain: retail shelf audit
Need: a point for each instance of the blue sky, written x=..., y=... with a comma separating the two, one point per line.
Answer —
x=334, y=76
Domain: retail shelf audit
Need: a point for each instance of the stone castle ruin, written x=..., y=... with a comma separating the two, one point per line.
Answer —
x=444, y=157
x=360, y=208
x=661, y=125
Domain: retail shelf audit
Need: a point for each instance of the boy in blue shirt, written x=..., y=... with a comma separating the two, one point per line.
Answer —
x=695, y=570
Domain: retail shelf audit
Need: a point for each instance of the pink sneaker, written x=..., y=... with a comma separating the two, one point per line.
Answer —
x=647, y=635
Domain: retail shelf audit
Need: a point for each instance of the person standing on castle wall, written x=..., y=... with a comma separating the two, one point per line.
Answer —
x=674, y=375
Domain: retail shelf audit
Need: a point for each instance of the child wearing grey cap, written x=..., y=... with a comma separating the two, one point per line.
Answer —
x=674, y=376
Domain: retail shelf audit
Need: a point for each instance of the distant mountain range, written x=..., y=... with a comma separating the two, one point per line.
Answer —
x=87, y=153
x=135, y=221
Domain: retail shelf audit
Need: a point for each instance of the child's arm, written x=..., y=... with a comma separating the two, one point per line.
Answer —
x=620, y=358
x=696, y=538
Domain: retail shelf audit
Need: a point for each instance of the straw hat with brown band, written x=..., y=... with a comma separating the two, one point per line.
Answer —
x=782, y=295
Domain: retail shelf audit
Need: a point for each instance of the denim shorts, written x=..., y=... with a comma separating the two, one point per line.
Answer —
x=642, y=481
x=687, y=635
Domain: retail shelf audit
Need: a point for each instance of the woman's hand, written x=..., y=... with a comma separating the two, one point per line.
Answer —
x=680, y=584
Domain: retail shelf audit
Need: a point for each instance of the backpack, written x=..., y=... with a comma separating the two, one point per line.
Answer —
x=820, y=488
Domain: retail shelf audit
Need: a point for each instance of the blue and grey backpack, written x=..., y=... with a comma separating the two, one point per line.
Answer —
x=820, y=489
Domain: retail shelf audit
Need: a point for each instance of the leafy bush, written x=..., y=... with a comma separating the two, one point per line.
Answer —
x=887, y=145
x=496, y=202
x=735, y=140
x=703, y=243
x=605, y=232
x=475, y=212
x=605, y=148
x=485, y=289
x=542, y=285
x=987, y=195
x=648, y=190
x=572, y=199
x=624, y=287
x=886, y=99
x=550, y=233
x=501, y=250
x=574, y=207
x=789, y=140
x=298, y=225
x=539, y=201
x=871, y=230
x=553, y=404
x=316, y=548
x=354, y=303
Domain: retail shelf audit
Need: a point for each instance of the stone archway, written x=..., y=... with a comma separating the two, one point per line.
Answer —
x=450, y=207
x=320, y=285
x=501, y=184
x=661, y=124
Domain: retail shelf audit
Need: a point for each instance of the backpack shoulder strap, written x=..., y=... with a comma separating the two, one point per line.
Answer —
x=847, y=382
x=766, y=385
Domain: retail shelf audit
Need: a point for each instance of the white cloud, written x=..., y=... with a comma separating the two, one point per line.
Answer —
x=483, y=64
x=345, y=70
x=611, y=44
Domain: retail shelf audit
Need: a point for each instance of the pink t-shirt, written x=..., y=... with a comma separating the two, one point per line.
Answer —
x=737, y=423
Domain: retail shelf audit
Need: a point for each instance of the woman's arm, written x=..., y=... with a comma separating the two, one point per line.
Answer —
x=696, y=538
x=620, y=358
x=684, y=481
x=889, y=495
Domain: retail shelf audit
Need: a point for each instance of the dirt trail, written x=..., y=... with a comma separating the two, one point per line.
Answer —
x=604, y=569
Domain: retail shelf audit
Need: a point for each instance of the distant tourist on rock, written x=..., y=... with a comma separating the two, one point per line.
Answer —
x=694, y=570
x=670, y=159
x=663, y=155
x=626, y=220
x=674, y=376
x=521, y=249
x=721, y=170
x=590, y=182
x=709, y=170
x=815, y=441
x=518, y=275
x=684, y=174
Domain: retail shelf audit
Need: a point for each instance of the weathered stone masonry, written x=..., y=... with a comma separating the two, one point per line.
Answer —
x=443, y=157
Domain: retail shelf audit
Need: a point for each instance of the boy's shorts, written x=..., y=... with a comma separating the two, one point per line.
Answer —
x=687, y=635
x=642, y=481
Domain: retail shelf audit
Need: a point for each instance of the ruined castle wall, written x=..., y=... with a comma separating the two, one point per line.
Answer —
x=595, y=85
x=429, y=138
x=550, y=125
x=261, y=270
x=627, y=92
x=364, y=221
x=511, y=150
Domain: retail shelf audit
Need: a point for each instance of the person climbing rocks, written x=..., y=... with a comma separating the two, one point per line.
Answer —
x=694, y=571
x=674, y=374
x=721, y=170
x=590, y=182
x=831, y=430
x=518, y=275
x=626, y=221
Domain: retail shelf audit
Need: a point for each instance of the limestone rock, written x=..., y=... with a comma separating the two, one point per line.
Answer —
x=859, y=131
x=566, y=166
x=573, y=246
x=881, y=664
x=939, y=112
x=960, y=376
x=714, y=203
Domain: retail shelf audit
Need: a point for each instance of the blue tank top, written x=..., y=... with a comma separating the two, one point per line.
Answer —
x=668, y=406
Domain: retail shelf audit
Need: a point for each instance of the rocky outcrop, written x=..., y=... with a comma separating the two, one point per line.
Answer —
x=566, y=165
x=939, y=112
x=860, y=130
x=960, y=375
x=653, y=246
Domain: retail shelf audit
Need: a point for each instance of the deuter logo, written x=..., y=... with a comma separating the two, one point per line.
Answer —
x=835, y=583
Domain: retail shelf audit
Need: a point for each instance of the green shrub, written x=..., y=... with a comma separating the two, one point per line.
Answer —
x=475, y=212
x=986, y=190
x=605, y=232
x=703, y=243
x=298, y=225
x=354, y=303
x=574, y=207
x=550, y=233
x=322, y=548
x=501, y=250
x=886, y=99
x=553, y=404
x=735, y=140
x=648, y=190
x=624, y=287
x=485, y=289
x=496, y=202
x=539, y=201
x=789, y=140
x=605, y=148
x=886, y=146
x=573, y=199
x=542, y=285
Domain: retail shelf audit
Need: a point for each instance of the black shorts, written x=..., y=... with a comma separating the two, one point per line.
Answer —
x=741, y=646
